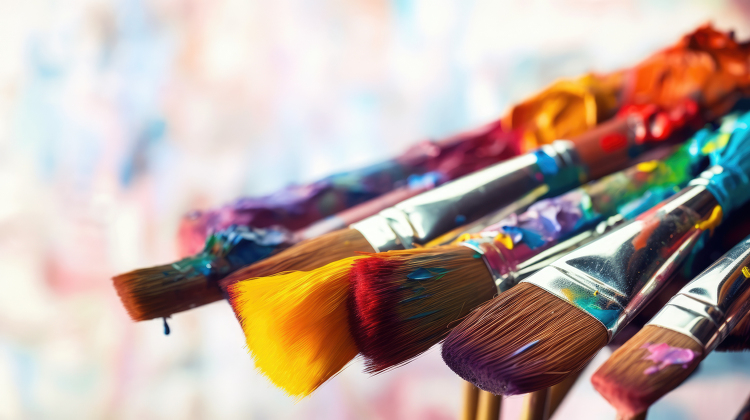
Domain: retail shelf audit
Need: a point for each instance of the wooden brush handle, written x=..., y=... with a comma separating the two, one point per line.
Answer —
x=536, y=405
x=489, y=406
x=470, y=401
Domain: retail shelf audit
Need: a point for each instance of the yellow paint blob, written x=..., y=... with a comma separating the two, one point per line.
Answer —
x=569, y=294
x=296, y=325
x=505, y=240
x=649, y=166
x=746, y=272
x=713, y=220
x=716, y=144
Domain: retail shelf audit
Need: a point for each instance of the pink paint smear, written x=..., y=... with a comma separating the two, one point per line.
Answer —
x=665, y=355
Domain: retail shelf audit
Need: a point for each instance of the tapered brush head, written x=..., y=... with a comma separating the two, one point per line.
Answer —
x=305, y=256
x=645, y=368
x=523, y=341
x=295, y=325
x=404, y=302
x=160, y=291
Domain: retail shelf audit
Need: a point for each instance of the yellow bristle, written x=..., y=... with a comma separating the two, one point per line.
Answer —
x=296, y=325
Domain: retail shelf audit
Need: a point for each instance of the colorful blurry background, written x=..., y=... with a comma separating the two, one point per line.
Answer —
x=118, y=116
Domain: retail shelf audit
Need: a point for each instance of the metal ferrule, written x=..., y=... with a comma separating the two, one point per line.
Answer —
x=426, y=216
x=508, y=268
x=615, y=276
x=711, y=305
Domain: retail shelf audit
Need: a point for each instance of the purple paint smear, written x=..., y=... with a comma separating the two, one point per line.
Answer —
x=665, y=355
x=543, y=222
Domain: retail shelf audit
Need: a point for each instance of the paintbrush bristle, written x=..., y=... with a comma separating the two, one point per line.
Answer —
x=636, y=375
x=403, y=302
x=305, y=256
x=295, y=325
x=160, y=291
x=523, y=341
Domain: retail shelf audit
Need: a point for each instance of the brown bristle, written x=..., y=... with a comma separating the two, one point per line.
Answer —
x=524, y=340
x=403, y=302
x=739, y=338
x=305, y=256
x=623, y=379
x=160, y=291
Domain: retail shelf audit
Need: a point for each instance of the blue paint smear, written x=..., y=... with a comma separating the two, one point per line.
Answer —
x=524, y=348
x=411, y=299
x=606, y=316
x=546, y=163
x=530, y=238
x=422, y=315
x=420, y=274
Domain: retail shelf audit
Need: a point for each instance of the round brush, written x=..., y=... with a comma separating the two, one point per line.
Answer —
x=670, y=347
x=555, y=321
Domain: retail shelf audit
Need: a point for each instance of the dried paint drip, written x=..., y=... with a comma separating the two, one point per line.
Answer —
x=166, y=327
x=665, y=355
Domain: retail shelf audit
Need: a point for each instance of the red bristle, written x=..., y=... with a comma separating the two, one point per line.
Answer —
x=396, y=317
x=370, y=309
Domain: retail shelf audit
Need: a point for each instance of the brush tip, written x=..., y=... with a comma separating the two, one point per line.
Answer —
x=645, y=368
x=295, y=325
x=161, y=291
x=523, y=341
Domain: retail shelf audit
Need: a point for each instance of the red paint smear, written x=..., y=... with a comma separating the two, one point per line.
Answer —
x=641, y=240
x=613, y=142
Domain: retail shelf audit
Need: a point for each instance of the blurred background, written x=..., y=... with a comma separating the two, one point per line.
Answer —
x=119, y=116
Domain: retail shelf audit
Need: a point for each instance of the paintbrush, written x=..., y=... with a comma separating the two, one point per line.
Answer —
x=554, y=322
x=564, y=109
x=403, y=302
x=163, y=290
x=275, y=311
x=670, y=346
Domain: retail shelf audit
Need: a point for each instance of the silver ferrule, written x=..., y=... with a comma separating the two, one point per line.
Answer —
x=614, y=277
x=710, y=306
x=426, y=216
x=507, y=271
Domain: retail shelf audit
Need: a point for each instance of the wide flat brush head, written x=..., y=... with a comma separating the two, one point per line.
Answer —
x=295, y=325
x=645, y=368
x=404, y=302
x=523, y=341
x=160, y=291
x=305, y=256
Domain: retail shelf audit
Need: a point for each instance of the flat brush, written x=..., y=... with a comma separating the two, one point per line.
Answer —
x=555, y=321
x=403, y=302
x=670, y=346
